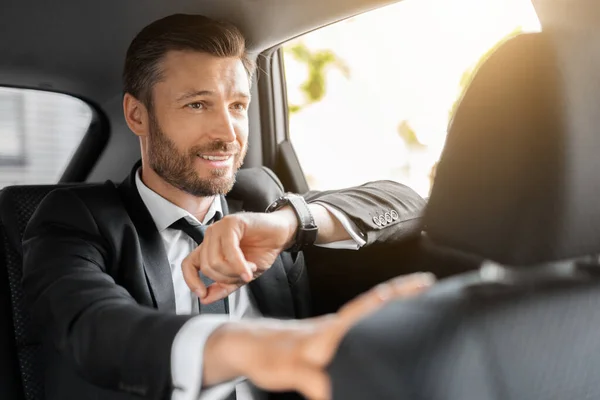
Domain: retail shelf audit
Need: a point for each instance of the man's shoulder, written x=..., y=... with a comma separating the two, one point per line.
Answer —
x=88, y=190
x=75, y=206
x=91, y=194
x=71, y=202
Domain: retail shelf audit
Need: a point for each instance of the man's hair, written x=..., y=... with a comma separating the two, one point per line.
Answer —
x=178, y=32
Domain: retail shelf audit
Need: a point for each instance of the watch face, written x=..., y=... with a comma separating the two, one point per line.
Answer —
x=277, y=204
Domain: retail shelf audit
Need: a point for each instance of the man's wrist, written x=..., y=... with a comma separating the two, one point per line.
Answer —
x=323, y=219
x=291, y=222
x=319, y=213
x=224, y=353
x=305, y=230
x=232, y=349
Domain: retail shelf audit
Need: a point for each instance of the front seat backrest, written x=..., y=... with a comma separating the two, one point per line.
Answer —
x=517, y=185
x=10, y=379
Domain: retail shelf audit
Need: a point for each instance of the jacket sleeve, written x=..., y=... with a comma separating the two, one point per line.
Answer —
x=384, y=211
x=95, y=324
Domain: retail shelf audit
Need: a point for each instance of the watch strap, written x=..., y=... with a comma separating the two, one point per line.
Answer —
x=307, y=231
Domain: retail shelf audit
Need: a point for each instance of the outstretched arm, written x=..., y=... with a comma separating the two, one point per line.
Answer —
x=293, y=355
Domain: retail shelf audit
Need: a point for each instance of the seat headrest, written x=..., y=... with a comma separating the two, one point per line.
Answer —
x=519, y=178
x=256, y=187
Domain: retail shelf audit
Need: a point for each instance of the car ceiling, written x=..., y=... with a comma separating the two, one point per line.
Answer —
x=78, y=47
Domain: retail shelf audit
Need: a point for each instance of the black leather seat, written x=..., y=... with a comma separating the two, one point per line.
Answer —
x=10, y=380
x=518, y=185
x=21, y=364
x=17, y=204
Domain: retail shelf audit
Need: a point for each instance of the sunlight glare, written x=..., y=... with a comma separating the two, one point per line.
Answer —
x=406, y=62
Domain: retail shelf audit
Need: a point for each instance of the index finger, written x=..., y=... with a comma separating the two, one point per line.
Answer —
x=399, y=287
x=230, y=248
x=218, y=291
x=190, y=267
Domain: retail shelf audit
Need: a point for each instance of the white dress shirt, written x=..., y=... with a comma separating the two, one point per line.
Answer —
x=188, y=346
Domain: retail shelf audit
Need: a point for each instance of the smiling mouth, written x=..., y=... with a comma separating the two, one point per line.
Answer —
x=215, y=158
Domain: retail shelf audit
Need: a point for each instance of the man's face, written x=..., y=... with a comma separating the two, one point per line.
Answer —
x=199, y=122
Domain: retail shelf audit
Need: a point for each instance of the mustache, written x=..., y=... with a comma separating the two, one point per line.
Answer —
x=216, y=145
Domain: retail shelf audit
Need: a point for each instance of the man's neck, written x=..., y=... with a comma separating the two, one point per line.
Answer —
x=197, y=206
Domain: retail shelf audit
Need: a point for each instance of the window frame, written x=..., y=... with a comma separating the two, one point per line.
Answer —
x=278, y=151
x=88, y=151
x=91, y=147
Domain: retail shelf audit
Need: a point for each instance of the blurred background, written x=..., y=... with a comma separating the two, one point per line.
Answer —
x=39, y=132
x=371, y=97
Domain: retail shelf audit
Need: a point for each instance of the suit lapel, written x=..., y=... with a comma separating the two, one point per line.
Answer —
x=156, y=263
x=271, y=290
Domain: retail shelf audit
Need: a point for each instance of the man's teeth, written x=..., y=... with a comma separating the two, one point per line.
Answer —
x=215, y=158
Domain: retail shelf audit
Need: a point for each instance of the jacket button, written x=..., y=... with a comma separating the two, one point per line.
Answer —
x=376, y=221
x=382, y=220
x=394, y=215
x=388, y=217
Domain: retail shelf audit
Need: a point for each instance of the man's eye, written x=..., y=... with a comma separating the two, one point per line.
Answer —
x=195, y=106
x=238, y=107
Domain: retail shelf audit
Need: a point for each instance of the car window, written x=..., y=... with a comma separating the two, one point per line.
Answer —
x=371, y=97
x=39, y=132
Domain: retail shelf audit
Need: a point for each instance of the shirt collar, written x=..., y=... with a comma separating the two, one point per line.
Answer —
x=164, y=213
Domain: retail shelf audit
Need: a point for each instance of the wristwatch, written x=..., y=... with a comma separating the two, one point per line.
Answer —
x=307, y=231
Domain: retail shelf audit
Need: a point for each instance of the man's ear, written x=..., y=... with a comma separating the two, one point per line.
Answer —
x=136, y=115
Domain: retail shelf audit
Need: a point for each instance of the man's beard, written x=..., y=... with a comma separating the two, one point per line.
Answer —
x=178, y=170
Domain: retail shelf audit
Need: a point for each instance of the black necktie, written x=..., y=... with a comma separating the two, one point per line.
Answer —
x=196, y=232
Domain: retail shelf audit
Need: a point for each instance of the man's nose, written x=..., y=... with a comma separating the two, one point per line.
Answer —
x=224, y=128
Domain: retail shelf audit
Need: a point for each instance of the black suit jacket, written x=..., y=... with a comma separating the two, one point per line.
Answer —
x=99, y=285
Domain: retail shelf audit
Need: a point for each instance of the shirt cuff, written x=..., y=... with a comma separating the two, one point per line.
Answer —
x=187, y=356
x=357, y=237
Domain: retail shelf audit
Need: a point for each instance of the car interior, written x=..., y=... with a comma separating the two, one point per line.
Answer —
x=483, y=209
